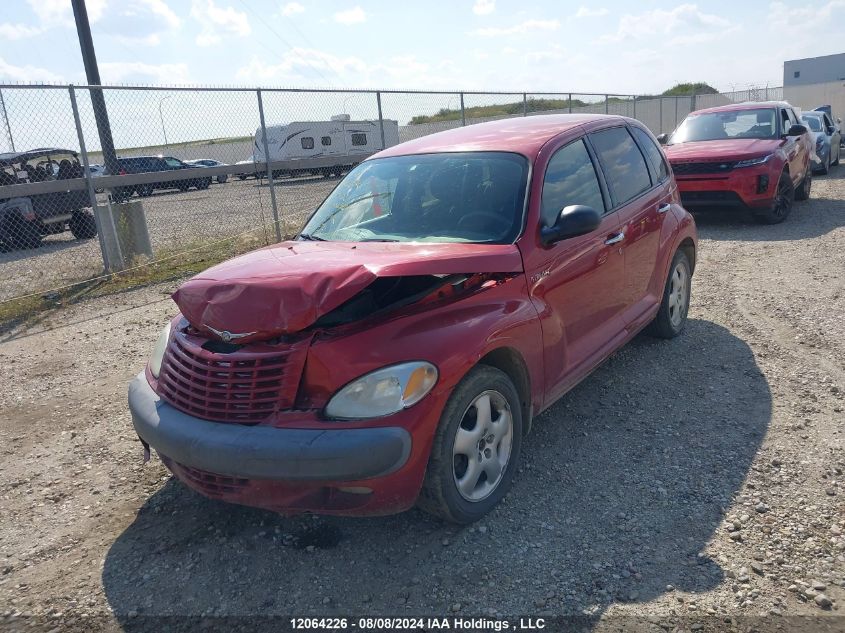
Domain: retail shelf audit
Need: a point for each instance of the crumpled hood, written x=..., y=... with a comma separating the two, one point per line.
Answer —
x=285, y=288
x=725, y=149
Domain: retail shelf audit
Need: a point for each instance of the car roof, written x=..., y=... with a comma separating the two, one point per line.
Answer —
x=7, y=158
x=747, y=105
x=522, y=135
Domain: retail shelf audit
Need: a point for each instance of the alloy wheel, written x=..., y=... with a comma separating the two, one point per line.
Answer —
x=482, y=446
x=678, y=295
x=782, y=199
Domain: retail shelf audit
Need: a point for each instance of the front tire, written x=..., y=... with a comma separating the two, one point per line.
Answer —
x=476, y=448
x=672, y=314
x=803, y=191
x=24, y=234
x=784, y=198
x=83, y=226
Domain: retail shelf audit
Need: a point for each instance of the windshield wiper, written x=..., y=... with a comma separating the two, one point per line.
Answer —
x=377, y=239
x=310, y=237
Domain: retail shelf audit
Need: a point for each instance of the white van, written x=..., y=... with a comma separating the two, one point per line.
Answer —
x=339, y=138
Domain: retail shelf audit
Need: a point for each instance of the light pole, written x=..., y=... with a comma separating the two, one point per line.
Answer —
x=161, y=116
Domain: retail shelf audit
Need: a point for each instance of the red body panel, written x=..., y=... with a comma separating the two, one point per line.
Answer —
x=560, y=309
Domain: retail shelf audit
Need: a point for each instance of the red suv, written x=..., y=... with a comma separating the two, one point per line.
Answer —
x=750, y=155
x=445, y=293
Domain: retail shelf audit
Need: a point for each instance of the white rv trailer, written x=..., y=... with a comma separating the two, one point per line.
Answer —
x=345, y=142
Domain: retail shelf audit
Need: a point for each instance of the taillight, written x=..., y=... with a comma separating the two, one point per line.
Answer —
x=122, y=172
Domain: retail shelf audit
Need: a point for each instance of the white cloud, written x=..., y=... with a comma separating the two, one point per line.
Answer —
x=550, y=54
x=217, y=22
x=684, y=22
x=518, y=29
x=796, y=17
x=296, y=65
x=484, y=7
x=355, y=15
x=18, y=31
x=59, y=12
x=586, y=12
x=118, y=72
x=27, y=74
x=292, y=8
x=160, y=9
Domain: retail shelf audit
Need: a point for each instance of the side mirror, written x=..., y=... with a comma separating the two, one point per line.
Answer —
x=797, y=130
x=574, y=220
x=663, y=139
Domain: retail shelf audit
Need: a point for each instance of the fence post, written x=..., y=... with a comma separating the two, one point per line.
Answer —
x=692, y=103
x=380, y=119
x=463, y=111
x=92, y=195
x=607, y=104
x=524, y=104
x=6, y=119
x=767, y=94
x=635, y=106
x=269, y=168
x=660, y=127
x=676, y=111
x=570, y=103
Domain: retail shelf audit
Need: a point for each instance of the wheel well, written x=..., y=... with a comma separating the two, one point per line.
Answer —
x=688, y=247
x=511, y=363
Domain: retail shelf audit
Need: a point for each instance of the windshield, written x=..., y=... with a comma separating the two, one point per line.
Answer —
x=724, y=125
x=813, y=122
x=448, y=197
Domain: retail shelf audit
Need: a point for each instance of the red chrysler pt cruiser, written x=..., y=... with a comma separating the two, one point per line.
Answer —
x=446, y=292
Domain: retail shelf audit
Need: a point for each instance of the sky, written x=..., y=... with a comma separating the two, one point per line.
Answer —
x=536, y=45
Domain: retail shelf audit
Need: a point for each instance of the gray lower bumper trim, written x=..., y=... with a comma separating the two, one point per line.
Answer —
x=262, y=452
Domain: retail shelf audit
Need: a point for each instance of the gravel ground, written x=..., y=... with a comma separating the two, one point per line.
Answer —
x=695, y=483
x=175, y=221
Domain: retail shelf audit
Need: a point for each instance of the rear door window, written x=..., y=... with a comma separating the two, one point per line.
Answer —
x=307, y=142
x=624, y=165
x=570, y=179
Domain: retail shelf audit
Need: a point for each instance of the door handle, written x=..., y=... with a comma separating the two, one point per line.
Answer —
x=615, y=238
x=663, y=208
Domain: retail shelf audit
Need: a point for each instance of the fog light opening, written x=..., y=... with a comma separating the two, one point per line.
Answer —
x=762, y=183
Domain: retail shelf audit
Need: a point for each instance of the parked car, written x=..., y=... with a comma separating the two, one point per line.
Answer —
x=96, y=170
x=445, y=293
x=248, y=161
x=24, y=220
x=826, y=138
x=838, y=120
x=753, y=156
x=146, y=164
x=208, y=162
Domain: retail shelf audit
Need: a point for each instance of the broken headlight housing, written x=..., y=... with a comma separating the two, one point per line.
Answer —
x=384, y=391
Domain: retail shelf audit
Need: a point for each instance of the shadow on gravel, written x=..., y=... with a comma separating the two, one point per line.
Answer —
x=812, y=218
x=624, y=482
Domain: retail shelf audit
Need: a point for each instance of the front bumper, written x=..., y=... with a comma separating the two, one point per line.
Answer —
x=263, y=452
x=738, y=188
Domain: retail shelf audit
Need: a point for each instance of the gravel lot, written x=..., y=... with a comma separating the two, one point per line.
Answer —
x=694, y=484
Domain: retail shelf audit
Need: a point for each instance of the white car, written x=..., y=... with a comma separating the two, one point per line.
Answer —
x=209, y=162
x=248, y=161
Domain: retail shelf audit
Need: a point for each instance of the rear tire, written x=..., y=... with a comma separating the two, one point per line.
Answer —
x=23, y=234
x=784, y=198
x=477, y=443
x=145, y=191
x=838, y=152
x=674, y=307
x=83, y=226
x=203, y=184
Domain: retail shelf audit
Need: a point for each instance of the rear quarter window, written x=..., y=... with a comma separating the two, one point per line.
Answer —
x=656, y=160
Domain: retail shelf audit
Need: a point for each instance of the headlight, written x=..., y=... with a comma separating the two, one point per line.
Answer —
x=383, y=391
x=158, y=350
x=753, y=161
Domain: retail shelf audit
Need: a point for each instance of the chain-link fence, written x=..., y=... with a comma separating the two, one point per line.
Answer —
x=205, y=173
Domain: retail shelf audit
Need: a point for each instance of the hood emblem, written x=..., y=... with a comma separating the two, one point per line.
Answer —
x=226, y=336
